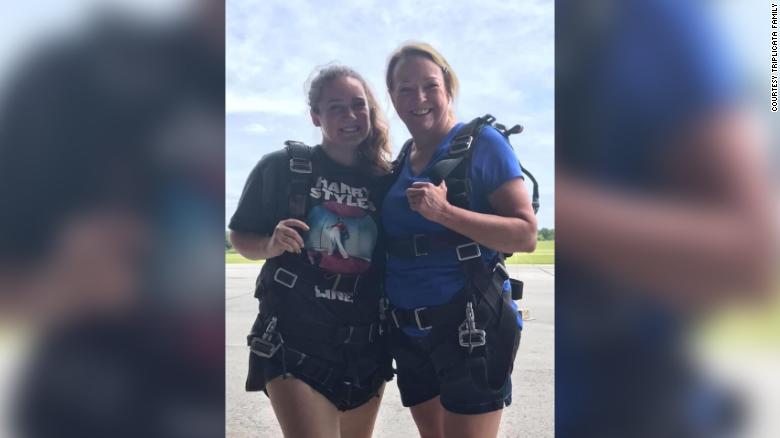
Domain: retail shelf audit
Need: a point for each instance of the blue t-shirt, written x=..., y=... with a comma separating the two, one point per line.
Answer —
x=434, y=279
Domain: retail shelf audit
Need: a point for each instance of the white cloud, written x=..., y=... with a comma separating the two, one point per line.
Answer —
x=256, y=128
x=257, y=103
x=501, y=51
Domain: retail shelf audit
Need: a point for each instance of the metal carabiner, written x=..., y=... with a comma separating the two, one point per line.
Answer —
x=264, y=345
x=468, y=334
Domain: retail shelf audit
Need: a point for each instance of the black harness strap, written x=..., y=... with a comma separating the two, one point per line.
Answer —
x=300, y=177
x=329, y=334
x=292, y=271
x=313, y=367
x=482, y=296
x=344, y=380
x=424, y=244
x=399, y=161
x=270, y=334
x=535, y=192
x=489, y=285
x=454, y=169
x=506, y=132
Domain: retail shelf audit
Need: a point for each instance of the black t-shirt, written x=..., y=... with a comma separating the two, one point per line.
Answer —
x=343, y=216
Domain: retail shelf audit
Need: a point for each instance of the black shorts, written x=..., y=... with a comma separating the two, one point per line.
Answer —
x=347, y=383
x=473, y=382
x=418, y=381
x=348, y=370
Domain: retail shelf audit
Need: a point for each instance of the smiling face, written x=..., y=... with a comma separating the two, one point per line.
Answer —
x=420, y=96
x=343, y=113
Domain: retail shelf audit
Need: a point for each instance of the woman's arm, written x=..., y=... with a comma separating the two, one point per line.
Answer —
x=284, y=238
x=512, y=229
x=715, y=235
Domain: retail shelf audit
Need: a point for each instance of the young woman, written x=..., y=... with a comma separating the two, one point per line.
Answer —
x=457, y=331
x=313, y=214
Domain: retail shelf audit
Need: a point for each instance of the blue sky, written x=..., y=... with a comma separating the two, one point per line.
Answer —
x=502, y=52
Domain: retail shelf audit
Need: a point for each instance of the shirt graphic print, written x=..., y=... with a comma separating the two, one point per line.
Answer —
x=342, y=232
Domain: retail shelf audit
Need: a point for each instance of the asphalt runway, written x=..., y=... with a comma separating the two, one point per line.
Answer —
x=530, y=415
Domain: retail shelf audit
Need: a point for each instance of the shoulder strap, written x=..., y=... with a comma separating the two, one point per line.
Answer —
x=460, y=147
x=300, y=177
x=460, y=150
x=399, y=161
x=516, y=130
x=535, y=193
x=455, y=167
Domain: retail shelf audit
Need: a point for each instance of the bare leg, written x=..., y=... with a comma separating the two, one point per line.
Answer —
x=302, y=412
x=429, y=417
x=472, y=426
x=359, y=422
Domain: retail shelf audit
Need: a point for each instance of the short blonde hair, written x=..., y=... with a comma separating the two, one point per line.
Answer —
x=426, y=51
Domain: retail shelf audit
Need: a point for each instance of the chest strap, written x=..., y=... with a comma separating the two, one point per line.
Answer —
x=426, y=317
x=292, y=271
x=425, y=244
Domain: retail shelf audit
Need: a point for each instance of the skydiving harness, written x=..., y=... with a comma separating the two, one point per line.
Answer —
x=290, y=271
x=455, y=168
x=355, y=381
x=483, y=283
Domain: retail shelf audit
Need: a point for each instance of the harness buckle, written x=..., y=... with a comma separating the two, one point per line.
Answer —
x=460, y=144
x=300, y=165
x=468, y=251
x=417, y=319
x=501, y=268
x=469, y=335
x=286, y=278
x=417, y=251
x=264, y=345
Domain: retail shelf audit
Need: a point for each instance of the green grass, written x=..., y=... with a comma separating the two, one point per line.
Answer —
x=544, y=254
x=756, y=327
x=234, y=257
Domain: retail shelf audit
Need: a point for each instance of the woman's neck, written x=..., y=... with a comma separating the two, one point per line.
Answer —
x=344, y=155
x=428, y=141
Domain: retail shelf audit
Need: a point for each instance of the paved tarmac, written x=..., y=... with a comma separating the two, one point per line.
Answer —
x=530, y=415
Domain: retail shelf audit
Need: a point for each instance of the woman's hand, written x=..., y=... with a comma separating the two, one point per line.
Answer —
x=428, y=200
x=286, y=238
x=512, y=228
